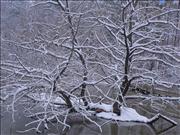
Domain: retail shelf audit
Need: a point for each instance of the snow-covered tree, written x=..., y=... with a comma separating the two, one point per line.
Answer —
x=59, y=57
x=135, y=32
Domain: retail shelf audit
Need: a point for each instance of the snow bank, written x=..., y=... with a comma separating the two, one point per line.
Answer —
x=127, y=114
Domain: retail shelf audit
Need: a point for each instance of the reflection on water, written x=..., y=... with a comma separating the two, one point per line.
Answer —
x=84, y=128
x=120, y=129
x=160, y=131
x=110, y=129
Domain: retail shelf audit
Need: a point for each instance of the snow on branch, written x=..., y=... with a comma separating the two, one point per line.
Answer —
x=160, y=52
x=70, y=61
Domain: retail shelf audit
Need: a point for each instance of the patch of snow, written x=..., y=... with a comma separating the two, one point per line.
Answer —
x=127, y=114
x=108, y=108
x=59, y=100
x=108, y=115
x=43, y=97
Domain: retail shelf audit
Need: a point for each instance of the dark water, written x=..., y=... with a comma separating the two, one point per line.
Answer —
x=86, y=128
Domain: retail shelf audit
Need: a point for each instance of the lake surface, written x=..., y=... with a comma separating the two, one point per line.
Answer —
x=86, y=128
